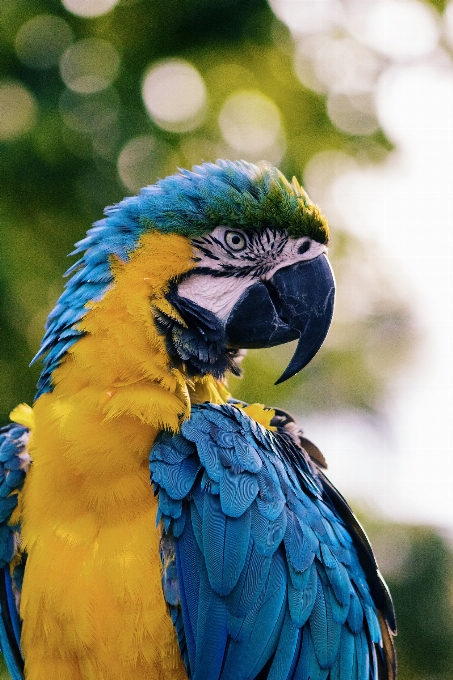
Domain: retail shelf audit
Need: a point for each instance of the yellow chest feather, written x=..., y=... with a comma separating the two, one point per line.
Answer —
x=92, y=602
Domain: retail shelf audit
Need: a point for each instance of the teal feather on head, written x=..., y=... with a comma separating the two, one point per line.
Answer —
x=230, y=193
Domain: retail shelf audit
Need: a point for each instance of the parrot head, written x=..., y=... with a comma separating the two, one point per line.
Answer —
x=258, y=275
x=255, y=283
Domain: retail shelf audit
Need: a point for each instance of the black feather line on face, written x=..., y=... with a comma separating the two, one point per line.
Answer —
x=230, y=271
x=205, y=251
x=264, y=248
x=200, y=347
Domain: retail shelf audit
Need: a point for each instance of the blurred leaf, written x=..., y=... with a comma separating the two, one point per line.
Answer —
x=4, y=675
x=440, y=5
x=417, y=564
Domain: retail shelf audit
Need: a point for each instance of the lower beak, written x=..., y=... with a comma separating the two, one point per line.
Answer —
x=297, y=302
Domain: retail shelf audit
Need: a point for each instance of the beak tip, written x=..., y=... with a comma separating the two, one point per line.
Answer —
x=288, y=373
x=282, y=378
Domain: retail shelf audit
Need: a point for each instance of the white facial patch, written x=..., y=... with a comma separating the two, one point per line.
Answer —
x=231, y=260
x=216, y=293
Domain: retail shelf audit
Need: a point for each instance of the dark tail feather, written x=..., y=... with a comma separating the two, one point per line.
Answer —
x=387, y=666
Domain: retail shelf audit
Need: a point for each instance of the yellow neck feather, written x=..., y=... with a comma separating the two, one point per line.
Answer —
x=122, y=355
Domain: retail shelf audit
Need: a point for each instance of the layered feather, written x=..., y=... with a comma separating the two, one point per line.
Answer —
x=262, y=554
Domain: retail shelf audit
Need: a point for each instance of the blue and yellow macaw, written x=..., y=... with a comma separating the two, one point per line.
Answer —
x=240, y=560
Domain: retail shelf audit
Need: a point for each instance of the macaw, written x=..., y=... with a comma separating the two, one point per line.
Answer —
x=151, y=525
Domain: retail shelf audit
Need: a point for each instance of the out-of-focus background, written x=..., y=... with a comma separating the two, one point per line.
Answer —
x=355, y=98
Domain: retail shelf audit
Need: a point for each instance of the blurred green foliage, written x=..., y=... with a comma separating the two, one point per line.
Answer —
x=439, y=4
x=417, y=564
x=4, y=675
x=61, y=168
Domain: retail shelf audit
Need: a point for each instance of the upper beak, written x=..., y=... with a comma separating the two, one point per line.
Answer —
x=297, y=302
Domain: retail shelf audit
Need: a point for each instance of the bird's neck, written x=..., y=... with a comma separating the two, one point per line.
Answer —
x=115, y=388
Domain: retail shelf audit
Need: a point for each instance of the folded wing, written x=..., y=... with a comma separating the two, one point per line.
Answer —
x=265, y=571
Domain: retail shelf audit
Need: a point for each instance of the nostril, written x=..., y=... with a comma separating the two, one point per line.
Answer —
x=304, y=247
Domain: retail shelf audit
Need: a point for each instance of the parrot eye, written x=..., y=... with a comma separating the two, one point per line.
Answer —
x=235, y=240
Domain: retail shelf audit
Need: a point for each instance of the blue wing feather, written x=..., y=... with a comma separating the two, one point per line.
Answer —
x=347, y=667
x=325, y=631
x=362, y=655
x=267, y=557
x=225, y=544
x=286, y=654
x=301, y=598
x=261, y=627
x=12, y=606
x=267, y=534
x=355, y=614
x=14, y=462
x=212, y=631
x=339, y=611
x=309, y=667
x=299, y=548
x=237, y=492
x=250, y=583
x=188, y=558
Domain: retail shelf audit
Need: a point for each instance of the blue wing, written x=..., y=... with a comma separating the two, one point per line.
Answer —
x=266, y=572
x=13, y=465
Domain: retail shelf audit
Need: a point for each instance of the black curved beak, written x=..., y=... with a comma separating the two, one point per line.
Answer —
x=297, y=302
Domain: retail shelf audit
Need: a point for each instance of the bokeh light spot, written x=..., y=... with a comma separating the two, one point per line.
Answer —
x=400, y=29
x=250, y=121
x=89, y=8
x=41, y=41
x=143, y=160
x=320, y=173
x=18, y=110
x=175, y=95
x=327, y=63
x=353, y=114
x=307, y=16
x=89, y=65
x=90, y=112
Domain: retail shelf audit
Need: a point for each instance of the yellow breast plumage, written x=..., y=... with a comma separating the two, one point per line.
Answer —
x=92, y=602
